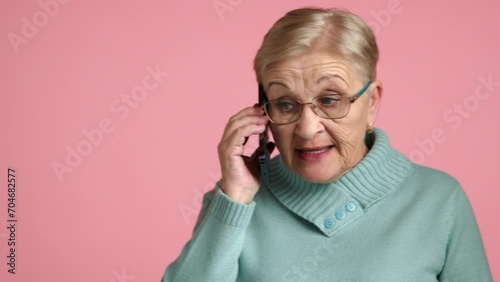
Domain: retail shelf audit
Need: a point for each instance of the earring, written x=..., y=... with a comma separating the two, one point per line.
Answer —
x=370, y=128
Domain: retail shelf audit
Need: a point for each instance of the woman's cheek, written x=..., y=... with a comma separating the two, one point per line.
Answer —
x=343, y=140
x=283, y=137
x=278, y=138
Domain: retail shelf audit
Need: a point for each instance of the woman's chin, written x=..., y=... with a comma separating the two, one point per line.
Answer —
x=317, y=172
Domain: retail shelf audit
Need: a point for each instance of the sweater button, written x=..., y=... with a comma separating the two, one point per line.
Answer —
x=329, y=223
x=340, y=215
x=350, y=207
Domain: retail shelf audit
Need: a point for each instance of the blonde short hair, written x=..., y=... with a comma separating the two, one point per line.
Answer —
x=310, y=28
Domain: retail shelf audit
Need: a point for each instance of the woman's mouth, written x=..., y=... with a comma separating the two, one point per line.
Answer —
x=314, y=153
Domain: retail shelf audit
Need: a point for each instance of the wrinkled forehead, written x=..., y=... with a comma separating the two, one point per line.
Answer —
x=311, y=70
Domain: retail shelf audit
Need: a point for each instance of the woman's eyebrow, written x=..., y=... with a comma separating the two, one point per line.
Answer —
x=329, y=78
x=277, y=83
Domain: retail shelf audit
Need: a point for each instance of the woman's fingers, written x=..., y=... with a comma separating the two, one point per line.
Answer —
x=244, y=117
x=243, y=125
x=234, y=141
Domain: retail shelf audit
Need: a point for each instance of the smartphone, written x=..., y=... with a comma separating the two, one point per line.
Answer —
x=263, y=140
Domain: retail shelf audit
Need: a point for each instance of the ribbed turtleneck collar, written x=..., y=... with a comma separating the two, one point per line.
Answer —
x=373, y=178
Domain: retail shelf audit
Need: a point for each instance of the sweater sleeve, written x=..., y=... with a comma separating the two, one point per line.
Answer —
x=212, y=253
x=465, y=255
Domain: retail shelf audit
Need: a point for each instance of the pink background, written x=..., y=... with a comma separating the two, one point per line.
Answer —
x=128, y=206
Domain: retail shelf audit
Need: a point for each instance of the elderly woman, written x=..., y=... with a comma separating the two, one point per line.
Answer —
x=340, y=203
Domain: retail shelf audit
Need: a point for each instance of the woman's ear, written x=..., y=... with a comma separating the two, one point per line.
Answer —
x=374, y=102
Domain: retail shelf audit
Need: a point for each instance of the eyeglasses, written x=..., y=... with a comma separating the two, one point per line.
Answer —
x=331, y=106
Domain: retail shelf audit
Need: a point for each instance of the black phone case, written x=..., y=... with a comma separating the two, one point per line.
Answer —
x=263, y=139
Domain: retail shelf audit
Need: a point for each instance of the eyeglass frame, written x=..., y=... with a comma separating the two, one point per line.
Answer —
x=351, y=100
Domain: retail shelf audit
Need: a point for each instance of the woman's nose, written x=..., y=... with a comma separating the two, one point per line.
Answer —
x=309, y=123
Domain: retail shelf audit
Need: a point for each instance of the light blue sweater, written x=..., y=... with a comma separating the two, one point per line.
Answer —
x=387, y=219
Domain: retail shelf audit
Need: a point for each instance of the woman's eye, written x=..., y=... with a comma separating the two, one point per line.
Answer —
x=330, y=100
x=285, y=106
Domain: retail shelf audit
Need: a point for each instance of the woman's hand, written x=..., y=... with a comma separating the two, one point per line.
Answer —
x=241, y=174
